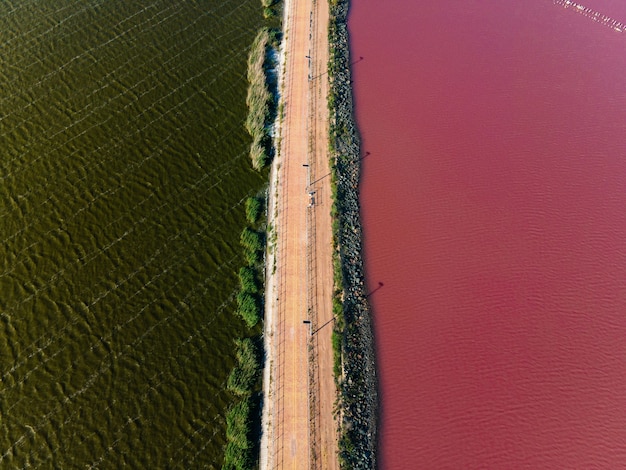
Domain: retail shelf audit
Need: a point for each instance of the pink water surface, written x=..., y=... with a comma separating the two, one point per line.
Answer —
x=494, y=209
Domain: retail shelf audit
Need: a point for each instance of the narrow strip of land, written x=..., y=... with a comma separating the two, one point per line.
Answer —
x=323, y=390
x=299, y=430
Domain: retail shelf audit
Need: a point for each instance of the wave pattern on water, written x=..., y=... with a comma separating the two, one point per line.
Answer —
x=124, y=171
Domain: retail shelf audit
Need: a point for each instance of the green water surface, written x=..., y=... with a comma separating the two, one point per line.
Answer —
x=123, y=173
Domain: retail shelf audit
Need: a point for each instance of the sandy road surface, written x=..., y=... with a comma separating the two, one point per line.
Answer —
x=324, y=439
x=299, y=429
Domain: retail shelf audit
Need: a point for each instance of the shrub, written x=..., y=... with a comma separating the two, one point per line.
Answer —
x=259, y=100
x=252, y=239
x=244, y=376
x=275, y=36
x=253, y=257
x=254, y=208
x=238, y=455
x=238, y=423
x=259, y=155
x=236, y=458
x=249, y=308
x=248, y=281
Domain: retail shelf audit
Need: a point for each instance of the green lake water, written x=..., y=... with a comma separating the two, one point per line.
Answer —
x=123, y=173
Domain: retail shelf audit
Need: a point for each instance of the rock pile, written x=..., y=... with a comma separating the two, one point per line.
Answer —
x=359, y=399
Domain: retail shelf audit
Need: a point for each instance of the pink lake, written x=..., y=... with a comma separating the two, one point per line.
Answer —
x=494, y=212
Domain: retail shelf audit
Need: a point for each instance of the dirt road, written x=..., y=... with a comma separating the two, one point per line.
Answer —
x=299, y=430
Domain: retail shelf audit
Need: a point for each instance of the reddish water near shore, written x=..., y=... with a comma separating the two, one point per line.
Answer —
x=494, y=208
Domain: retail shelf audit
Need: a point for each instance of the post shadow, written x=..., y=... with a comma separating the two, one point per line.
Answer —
x=380, y=286
x=358, y=60
x=328, y=174
x=351, y=64
x=328, y=322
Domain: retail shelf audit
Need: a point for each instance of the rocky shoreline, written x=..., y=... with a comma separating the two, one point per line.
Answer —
x=358, y=385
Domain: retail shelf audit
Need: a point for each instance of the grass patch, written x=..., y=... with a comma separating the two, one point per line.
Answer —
x=260, y=101
x=238, y=453
x=254, y=209
x=252, y=239
x=248, y=280
x=244, y=377
x=249, y=308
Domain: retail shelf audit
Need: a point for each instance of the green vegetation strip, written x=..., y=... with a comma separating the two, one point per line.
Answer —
x=244, y=380
x=245, y=376
x=352, y=337
x=262, y=95
x=243, y=419
x=239, y=450
x=259, y=101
